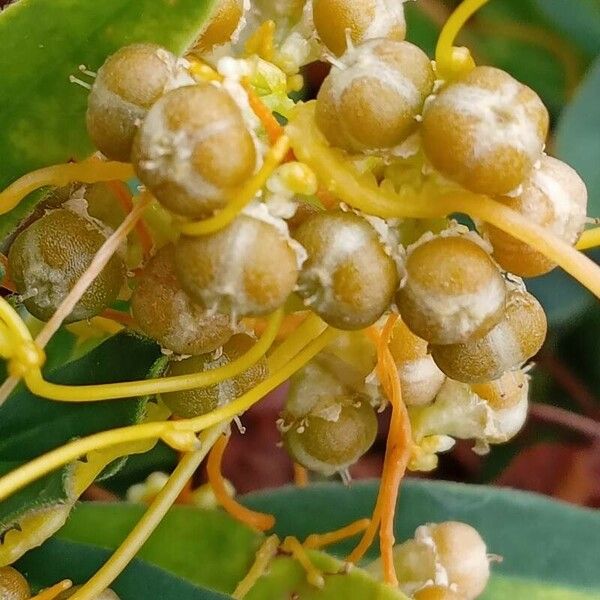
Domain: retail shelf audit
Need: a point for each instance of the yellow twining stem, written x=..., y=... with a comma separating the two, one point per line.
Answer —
x=589, y=239
x=130, y=389
x=151, y=519
x=312, y=327
x=243, y=196
x=452, y=62
x=320, y=540
x=297, y=550
x=42, y=465
x=54, y=591
x=90, y=170
x=266, y=553
x=363, y=194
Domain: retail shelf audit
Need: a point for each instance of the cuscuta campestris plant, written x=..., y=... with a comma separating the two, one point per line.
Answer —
x=318, y=207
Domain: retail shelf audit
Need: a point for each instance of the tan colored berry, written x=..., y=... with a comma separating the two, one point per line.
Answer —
x=516, y=338
x=223, y=24
x=48, y=258
x=503, y=393
x=437, y=592
x=363, y=19
x=373, y=101
x=453, y=290
x=485, y=131
x=349, y=278
x=199, y=401
x=334, y=435
x=127, y=85
x=554, y=197
x=167, y=314
x=420, y=377
x=463, y=554
x=13, y=586
x=248, y=268
x=193, y=149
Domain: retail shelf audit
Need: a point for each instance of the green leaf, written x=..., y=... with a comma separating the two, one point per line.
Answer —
x=31, y=426
x=548, y=547
x=578, y=142
x=542, y=542
x=59, y=559
x=579, y=19
x=207, y=548
x=210, y=549
x=42, y=43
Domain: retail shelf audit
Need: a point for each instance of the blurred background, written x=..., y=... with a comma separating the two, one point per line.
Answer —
x=554, y=47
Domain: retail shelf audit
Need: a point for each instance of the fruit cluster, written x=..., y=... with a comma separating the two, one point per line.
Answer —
x=467, y=325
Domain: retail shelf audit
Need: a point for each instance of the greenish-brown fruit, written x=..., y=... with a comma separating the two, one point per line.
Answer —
x=13, y=586
x=48, y=258
x=349, y=278
x=167, y=314
x=199, y=401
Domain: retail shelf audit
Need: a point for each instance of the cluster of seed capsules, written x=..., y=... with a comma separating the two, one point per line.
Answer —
x=468, y=325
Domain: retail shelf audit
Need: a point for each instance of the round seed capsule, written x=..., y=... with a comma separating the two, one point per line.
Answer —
x=517, y=337
x=333, y=436
x=246, y=269
x=555, y=197
x=437, y=592
x=224, y=23
x=420, y=377
x=126, y=86
x=349, y=278
x=199, y=401
x=463, y=555
x=167, y=314
x=363, y=19
x=48, y=258
x=485, y=131
x=13, y=586
x=453, y=290
x=193, y=149
x=373, y=101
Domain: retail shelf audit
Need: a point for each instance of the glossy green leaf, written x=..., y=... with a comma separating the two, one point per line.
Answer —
x=31, y=426
x=42, y=43
x=579, y=19
x=548, y=547
x=578, y=142
x=545, y=545
x=207, y=548
x=59, y=559
x=211, y=550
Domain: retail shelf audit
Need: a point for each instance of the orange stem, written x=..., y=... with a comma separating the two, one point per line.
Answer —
x=119, y=316
x=260, y=521
x=300, y=476
x=123, y=195
x=397, y=455
x=6, y=282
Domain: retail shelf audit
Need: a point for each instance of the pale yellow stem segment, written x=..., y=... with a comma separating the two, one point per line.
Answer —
x=242, y=197
x=91, y=170
x=266, y=553
x=452, y=62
